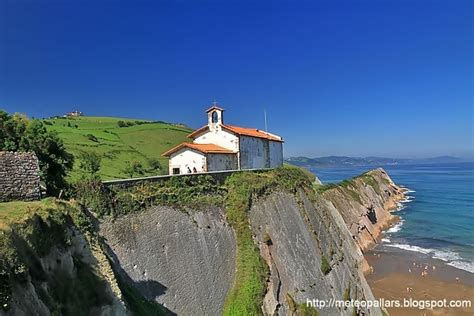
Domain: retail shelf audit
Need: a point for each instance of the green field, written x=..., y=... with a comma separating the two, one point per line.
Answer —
x=116, y=145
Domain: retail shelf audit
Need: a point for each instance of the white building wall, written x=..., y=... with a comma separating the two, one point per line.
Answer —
x=219, y=137
x=216, y=162
x=258, y=153
x=252, y=152
x=185, y=158
x=276, y=154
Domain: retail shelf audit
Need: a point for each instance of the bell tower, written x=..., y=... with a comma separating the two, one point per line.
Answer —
x=215, y=117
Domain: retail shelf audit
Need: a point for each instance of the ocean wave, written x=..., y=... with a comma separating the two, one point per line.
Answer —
x=386, y=240
x=395, y=228
x=401, y=204
x=412, y=248
x=400, y=207
x=450, y=257
x=463, y=265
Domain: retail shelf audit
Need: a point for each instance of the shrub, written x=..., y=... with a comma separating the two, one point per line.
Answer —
x=121, y=124
x=90, y=162
x=325, y=266
x=92, y=138
x=154, y=164
x=133, y=167
x=91, y=192
x=347, y=293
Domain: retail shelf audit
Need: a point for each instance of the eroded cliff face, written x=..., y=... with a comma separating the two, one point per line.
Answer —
x=51, y=267
x=183, y=259
x=295, y=233
x=366, y=203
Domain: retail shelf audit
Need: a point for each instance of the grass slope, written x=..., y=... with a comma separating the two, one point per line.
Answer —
x=246, y=295
x=117, y=145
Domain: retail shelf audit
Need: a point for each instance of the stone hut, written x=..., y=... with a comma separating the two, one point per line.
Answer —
x=19, y=176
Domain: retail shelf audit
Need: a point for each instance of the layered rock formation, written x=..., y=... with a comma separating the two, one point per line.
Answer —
x=366, y=203
x=183, y=260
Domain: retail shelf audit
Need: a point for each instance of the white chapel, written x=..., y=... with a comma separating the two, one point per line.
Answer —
x=217, y=146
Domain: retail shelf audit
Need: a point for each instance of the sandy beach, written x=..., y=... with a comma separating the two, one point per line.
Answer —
x=398, y=274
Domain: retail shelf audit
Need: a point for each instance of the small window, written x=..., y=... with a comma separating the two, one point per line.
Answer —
x=175, y=170
x=215, y=117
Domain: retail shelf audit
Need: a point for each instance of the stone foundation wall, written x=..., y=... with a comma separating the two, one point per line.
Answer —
x=19, y=176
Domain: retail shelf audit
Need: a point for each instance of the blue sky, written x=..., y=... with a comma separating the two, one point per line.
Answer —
x=389, y=78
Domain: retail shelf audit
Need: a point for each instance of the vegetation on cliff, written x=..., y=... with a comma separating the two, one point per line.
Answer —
x=195, y=191
x=29, y=235
x=247, y=292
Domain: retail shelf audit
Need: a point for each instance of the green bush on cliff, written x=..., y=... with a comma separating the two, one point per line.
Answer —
x=91, y=192
x=370, y=180
x=325, y=266
x=301, y=309
x=197, y=191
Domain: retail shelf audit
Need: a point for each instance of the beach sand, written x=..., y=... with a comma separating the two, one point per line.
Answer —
x=398, y=275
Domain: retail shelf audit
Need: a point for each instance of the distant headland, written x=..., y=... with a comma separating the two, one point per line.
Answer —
x=344, y=161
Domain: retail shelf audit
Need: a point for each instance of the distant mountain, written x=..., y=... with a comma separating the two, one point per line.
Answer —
x=343, y=161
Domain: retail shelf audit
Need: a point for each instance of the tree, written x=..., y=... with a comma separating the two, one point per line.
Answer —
x=90, y=162
x=18, y=133
x=122, y=124
x=133, y=167
x=154, y=164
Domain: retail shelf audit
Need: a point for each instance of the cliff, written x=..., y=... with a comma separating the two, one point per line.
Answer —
x=366, y=203
x=52, y=264
x=259, y=243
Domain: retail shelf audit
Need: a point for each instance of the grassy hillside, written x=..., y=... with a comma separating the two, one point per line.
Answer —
x=116, y=145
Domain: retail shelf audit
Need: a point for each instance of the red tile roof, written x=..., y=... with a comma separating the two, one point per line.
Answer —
x=252, y=132
x=241, y=131
x=204, y=148
x=198, y=131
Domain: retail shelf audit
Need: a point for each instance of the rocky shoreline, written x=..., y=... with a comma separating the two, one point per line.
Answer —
x=367, y=204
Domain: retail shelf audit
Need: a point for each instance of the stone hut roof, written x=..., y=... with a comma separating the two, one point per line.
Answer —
x=19, y=176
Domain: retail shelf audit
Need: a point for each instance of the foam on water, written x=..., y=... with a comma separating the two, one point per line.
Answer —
x=463, y=265
x=452, y=258
x=395, y=228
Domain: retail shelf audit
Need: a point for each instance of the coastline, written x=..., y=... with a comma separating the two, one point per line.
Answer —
x=397, y=274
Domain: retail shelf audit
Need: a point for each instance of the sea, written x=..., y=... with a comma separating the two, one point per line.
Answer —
x=437, y=219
